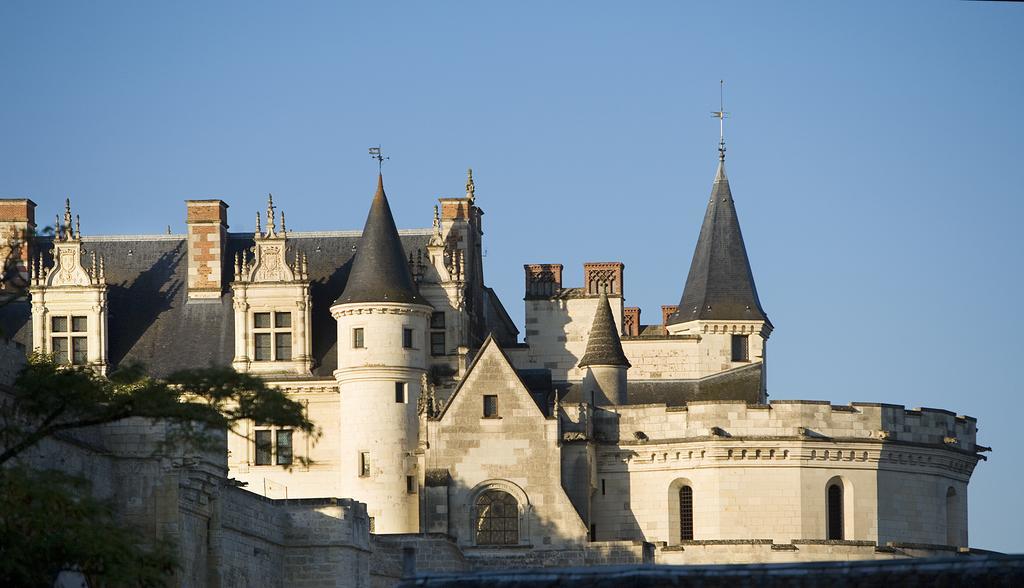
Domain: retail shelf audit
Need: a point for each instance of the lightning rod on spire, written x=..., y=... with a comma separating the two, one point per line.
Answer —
x=721, y=115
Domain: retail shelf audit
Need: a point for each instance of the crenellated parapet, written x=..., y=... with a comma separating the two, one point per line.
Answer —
x=795, y=419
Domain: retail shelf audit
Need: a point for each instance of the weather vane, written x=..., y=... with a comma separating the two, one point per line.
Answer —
x=376, y=154
x=721, y=114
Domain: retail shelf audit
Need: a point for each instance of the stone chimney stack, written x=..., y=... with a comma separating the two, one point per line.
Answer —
x=207, y=239
x=667, y=310
x=17, y=224
x=543, y=280
x=631, y=321
x=603, y=278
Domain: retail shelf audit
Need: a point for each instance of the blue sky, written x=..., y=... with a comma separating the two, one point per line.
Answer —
x=874, y=155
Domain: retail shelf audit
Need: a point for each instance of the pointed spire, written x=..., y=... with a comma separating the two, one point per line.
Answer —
x=380, y=272
x=720, y=285
x=603, y=345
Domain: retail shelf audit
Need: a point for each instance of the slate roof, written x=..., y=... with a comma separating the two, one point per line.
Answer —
x=380, y=271
x=720, y=285
x=741, y=384
x=151, y=322
x=603, y=344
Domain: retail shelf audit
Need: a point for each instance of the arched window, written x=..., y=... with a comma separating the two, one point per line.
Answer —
x=497, y=518
x=686, y=513
x=835, y=511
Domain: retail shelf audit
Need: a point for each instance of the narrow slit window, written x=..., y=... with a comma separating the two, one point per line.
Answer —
x=357, y=338
x=686, y=513
x=364, y=464
x=401, y=392
x=410, y=484
x=835, y=512
x=407, y=338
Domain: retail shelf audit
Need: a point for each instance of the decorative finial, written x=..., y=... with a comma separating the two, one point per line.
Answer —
x=58, y=230
x=78, y=227
x=470, y=186
x=375, y=153
x=259, y=229
x=168, y=229
x=721, y=115
x=103, y=270
x=437, y=220
x=283, y=230
x=67, y=219
x=270, y=215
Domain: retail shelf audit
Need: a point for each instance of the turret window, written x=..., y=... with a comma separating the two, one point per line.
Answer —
x=401, y=392
x=437, y=333
x=272, y=336
x=357, y=338
x=68, y=341
x=364, y=464
x=686, y=513
x=740, y=348
x=835, y=511
x=407, y=338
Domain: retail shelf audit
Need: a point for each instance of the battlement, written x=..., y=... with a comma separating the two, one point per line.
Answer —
x=795, y=419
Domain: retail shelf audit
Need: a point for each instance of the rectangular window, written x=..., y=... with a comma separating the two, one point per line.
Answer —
x=79, y=324
x=59, y=347
x=407, y=338
x=79, y=350
x=59, y=324
x=740, y=348
x=401, y=392
x=437, y=346
x=262, y=347
x=357, y=338
x=282, y=320
x=364, y=464
x=261, y=320
x=490, y=406
x=602, y=486
x=284, y=447
x=410, y=484
x=437, y=320
x=282, y=346
x=263, y=447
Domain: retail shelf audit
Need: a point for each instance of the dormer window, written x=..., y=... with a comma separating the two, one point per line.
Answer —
x=272, y=336
x=69, y=341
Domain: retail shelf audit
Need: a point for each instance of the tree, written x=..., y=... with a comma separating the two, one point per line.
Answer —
x=48, y=520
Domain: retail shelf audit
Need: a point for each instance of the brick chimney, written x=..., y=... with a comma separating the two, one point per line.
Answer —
x=207, y=222
x=543, y=280
x=667, y=311
x=17, y=224
x=631, y=321
x=605, y=276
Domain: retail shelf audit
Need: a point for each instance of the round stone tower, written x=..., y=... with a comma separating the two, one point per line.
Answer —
x=382, y=324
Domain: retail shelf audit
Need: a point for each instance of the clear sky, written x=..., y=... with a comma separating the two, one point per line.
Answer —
x=875, y=155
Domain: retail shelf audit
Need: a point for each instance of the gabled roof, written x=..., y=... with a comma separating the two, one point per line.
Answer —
x=380, y=270
x=603, y=344
x=720, y=285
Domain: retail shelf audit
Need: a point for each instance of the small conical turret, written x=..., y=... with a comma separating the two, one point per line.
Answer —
x=720, y=285
x=603, y=345
x=380, y=270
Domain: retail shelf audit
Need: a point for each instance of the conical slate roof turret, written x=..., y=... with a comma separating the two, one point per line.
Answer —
x=604, y=346
x=380, y=272
x=720, y=285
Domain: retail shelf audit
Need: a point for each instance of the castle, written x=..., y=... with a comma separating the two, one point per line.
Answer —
x=596, y=439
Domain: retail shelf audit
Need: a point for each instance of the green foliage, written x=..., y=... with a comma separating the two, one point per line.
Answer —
x=49, y=398
x=49, y=522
